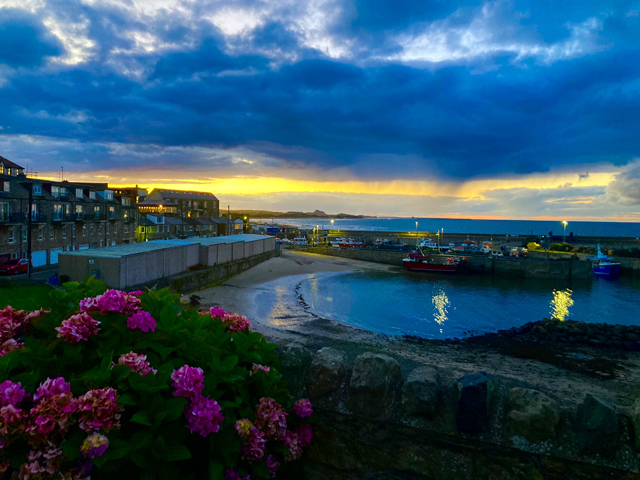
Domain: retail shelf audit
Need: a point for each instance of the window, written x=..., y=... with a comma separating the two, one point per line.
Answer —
x=24, y=234
x=34, y=212
x=126, y=229
x=57, y=212
x=73, y=231
x=52, y=233
x=101, y=243
x=115, y=229
x=96, y=212
x=92, y=195
x=79, y=193
x=126, y=201
x=37, y=189
x=4, y=212
x=126, y=216
x=55, y=191
x=142, y=229
x=64, y=232
x=107, y=227
x=6, y=187
x=112, y=213
x=84, y=230
x=12, y=235
x=93, y=230
x=1, y=169
x=78, y=212
x=40, y=233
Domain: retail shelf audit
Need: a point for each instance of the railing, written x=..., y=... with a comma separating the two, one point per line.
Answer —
x=79, y=217
x=38, y=217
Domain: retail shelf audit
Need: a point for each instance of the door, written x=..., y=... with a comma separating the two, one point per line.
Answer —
x=53, y=253
x=38, y=259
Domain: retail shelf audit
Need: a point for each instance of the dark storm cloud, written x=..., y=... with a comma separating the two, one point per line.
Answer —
x=551, y=87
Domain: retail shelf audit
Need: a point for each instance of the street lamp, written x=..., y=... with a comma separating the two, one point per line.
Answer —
x=564, y=235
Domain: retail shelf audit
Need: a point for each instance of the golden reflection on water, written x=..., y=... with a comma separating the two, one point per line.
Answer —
x=280, y=308
x=561, y=303
x=440, y=302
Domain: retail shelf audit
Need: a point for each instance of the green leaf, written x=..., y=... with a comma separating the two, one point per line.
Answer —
x=142, y=418
x=118, y=448
x=126, y=399
x=215, y=470
x=177, y=453
x=107, y=362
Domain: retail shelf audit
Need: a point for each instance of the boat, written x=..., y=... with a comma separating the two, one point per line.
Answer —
x=350, y=243
x=389, y=246
x=603, y=264
x=336, y=242
x=418, y=262
x=428, y=243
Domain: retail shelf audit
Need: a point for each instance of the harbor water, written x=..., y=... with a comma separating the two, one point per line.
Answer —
x=439, y=306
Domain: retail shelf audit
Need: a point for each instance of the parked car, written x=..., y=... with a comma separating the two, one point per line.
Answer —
x=15, y=266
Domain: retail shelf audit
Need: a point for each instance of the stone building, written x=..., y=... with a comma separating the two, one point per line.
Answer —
x=59, y=216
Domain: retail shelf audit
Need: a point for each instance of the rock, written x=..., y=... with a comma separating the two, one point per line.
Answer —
x=327, y=372
x=295, y=357
x=374, y=382
x=473, y=404
x=420, y=391
x=531, y=414
x=596, y=426
x=635, y=419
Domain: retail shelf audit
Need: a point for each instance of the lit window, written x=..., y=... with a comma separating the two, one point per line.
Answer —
x=55, y=191
x=78, y=212
x=6, y=187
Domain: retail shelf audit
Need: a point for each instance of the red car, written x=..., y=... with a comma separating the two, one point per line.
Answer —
x=14, y=267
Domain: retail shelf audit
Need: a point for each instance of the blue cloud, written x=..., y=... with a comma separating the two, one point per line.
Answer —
x=24, y=41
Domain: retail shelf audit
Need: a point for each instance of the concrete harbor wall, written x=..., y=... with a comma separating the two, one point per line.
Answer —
x=380, y=418
x=528, y=268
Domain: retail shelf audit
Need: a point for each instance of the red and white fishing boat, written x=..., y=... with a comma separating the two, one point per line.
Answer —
x=417, y=262
x=350, y=243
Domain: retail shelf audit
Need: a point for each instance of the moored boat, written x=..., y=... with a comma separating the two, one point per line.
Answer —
x=418, y=262
x=350, y=243
x=603, y=264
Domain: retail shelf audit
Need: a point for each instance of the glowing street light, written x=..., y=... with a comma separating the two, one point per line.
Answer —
x=416, y=229
x=564, y=236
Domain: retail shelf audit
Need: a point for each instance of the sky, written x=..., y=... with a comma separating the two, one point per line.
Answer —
x=466, y=109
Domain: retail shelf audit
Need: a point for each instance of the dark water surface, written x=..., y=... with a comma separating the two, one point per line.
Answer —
x=437, y=306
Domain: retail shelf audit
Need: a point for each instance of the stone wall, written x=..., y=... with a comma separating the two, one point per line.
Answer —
x=376, y=421
x=529, y=268
x=195, y=280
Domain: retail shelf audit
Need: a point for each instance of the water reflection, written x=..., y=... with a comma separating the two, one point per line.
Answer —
x=440, y=302
x=561, y=303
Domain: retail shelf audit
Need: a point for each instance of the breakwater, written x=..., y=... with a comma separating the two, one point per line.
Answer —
x=381, y=418
x=527, y=268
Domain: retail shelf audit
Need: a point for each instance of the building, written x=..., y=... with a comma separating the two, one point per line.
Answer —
x=174, y=214
x=59, y=216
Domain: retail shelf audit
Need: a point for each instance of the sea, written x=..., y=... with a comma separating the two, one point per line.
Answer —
x=487, y=227
x=439, y=306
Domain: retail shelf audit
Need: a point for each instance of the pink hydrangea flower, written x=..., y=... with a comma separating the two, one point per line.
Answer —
x=51, y=413
x=235, y=322
x=293, y=443
x=137, y=362
x=89, y=304
x=257, y=368
x=217, y=312
x=94, y=445
x=303, y=408
x=11, y=419
x=11, y=393
x=118, y=301
x=187, y=381
x=234, y=475
x=77, y=328
x=52, y=387
x=305, y=434
x=9, y=346
x=243, y=427
x=203, y=415
x=271, y=418
x=272, y=465
x=253, y=446
x=136, y=293
x=98, y=410
x=39, y=463
x=142, y=321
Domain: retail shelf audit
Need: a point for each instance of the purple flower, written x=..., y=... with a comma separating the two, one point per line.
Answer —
x=142, y=321
x=243, y=427
x=89, y=304
x=118, y=301
x=94, y=445
x=203, y=415
x=187, y=381
x=11, y=393
x=136, y=293
x=257, y=368
x=253, y=446
x=271, y=418
x=98, y=410
x=235, y=322
x=305, y=434
x=234, y=475
x=77, y=328
x=52, y=387
x=217, y=312
x=137, y=362
x=303, y=408
x=292, y=442
x=272, y=465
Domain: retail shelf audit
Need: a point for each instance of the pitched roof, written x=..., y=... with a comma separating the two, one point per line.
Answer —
x=9, y=163
x=184, y=195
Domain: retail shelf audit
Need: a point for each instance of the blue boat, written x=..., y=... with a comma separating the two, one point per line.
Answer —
x=603, y=264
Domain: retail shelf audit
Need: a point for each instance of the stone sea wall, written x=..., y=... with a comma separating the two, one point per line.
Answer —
x=529, y=268
x=376, y=421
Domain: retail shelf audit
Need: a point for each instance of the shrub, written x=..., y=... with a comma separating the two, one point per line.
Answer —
x=138, y=385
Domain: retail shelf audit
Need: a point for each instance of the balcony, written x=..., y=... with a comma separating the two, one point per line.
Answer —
x=63, y=217
x=37, y=217
x=79, y=217
x=12, y=218
x=94, y=217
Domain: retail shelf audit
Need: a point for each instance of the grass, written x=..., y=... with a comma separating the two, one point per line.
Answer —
x=25, y=297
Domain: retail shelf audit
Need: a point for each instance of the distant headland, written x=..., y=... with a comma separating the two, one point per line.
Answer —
x=314, y=214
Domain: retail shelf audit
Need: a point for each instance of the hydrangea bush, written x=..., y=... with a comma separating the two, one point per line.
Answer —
x=110, y=384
